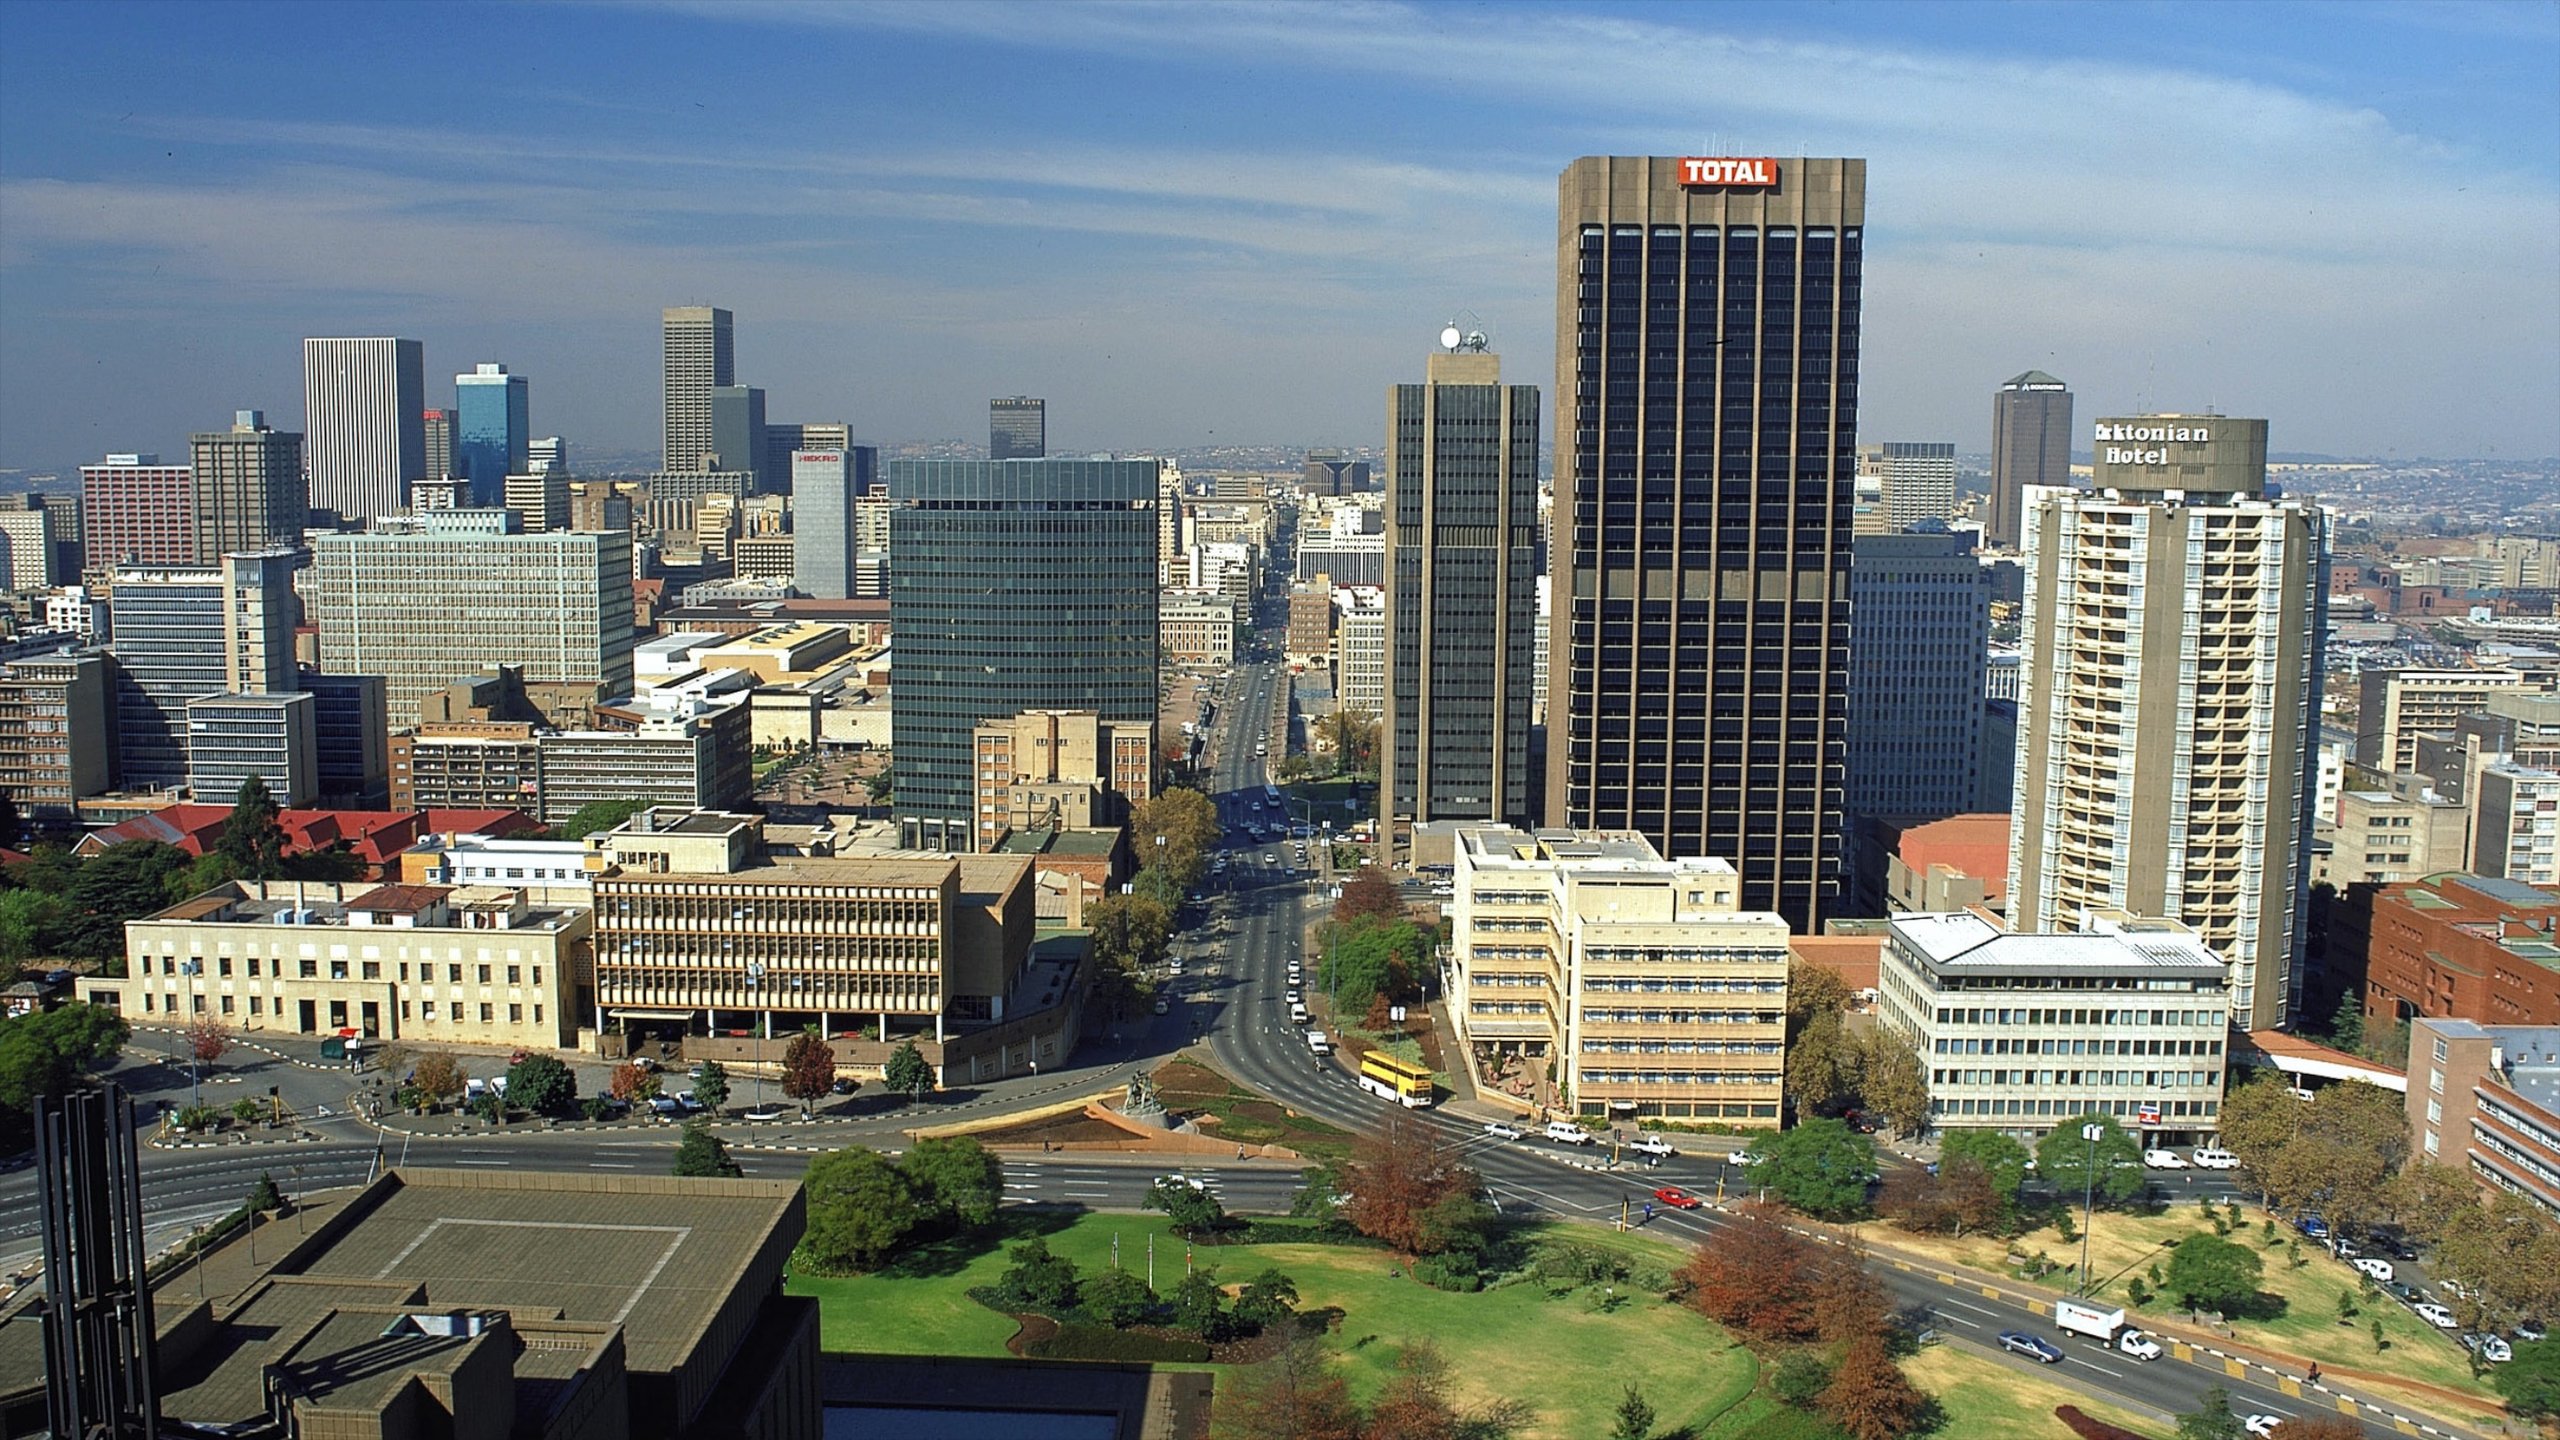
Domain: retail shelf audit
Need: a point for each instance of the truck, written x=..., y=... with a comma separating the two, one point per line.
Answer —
x=2107, y=1327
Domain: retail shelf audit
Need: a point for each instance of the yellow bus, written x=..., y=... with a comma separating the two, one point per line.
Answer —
x=1389, y=1078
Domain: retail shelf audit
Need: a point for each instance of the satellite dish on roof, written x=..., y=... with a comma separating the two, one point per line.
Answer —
x=1451, y=337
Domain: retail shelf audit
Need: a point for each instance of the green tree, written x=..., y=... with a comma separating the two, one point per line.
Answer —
x=44, y=1053
x=808, y=1069
x=1159, y=885
x=2211, y=1419
x=541, y=1084
x=1186, y=821
x=879, y=784
x=711, y=1087
x=1892, y=1083
x=2531, y=1381
x=1822, y=1057
x=1192, y=1209
x=127, y=882
x=1199, y=1305
x=2258, y=1120
x=1037, y=1279
x=1634, y=1417
x=31, y=924
x=1128, y=931
x=1118, y=1298
x=1801, y=1377
x=1266, y=1300
x=1819, y=1167
x=2064, y=1158
x=602, y=815
x=264, y=1195
x=252, y=839
x=907, y=1073
x=702, y=1153
x=2207, y=1272
x=2000, y=1156
x=956, y=1179
x=2346, y=1023
x=860, y=1205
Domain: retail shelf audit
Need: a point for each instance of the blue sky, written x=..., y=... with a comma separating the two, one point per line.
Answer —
x=1193, y=224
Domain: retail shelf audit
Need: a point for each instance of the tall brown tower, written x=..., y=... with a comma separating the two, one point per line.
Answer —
x=2030, y=445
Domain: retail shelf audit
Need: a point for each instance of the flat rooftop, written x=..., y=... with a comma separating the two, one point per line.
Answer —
x=1961, y=942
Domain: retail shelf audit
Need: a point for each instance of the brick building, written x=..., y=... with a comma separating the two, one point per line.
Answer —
x=2455, y=946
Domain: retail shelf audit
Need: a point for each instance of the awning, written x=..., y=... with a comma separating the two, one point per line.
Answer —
x=653, y=1014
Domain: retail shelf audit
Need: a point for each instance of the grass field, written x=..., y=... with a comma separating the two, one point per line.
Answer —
x=1581, y=1357
x=1983, y=1397
x=1187, y=1084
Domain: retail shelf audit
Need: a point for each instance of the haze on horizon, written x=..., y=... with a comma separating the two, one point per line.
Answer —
x=1198, y=225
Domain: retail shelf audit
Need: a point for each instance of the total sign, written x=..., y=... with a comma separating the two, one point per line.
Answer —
x=1727, y=171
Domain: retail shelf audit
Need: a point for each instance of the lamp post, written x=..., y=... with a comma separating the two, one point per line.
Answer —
x=764, y=1027
x=2088, y=1197
x=191, y=969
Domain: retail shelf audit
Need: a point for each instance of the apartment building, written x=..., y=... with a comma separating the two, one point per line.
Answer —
x=1058, y=769
x=2398, y=706
x=57, y=743
x=1591, y=975
x=2515, y=828
x=674, y=750
x=2489, y=1103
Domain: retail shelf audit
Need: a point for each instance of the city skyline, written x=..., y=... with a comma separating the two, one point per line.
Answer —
x=2073, y=190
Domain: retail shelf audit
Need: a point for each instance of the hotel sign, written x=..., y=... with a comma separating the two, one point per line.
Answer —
x=2113, y=436
x=1729, y=172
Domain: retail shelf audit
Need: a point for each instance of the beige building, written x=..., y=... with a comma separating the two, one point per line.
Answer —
x=1058, y=769
x=421, y=963
x=56, y=732
x=1197, y=629
x=2169, y=697
x=1590, y=974
x=2400, y=705
x=2383, y=837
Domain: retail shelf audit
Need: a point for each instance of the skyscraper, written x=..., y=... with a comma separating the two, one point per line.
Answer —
x=1919, y=638
x=2030, y=445
x=824, y=536
x=439, y=432
x=1021, y=585
x=137, y=511
x=2168, y=698
x=780, y=439
x=1462, y=526
x=492, y=435
x=1017, y=428
x=364, y=423
x=547, y=454
x=250, y=492
x=738, y=435
x=176, y=641
x=1916, y=480
x=700, y=353
x=1706, y=389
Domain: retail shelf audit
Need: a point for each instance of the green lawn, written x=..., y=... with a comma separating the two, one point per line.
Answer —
x=1982, y=1397
x=1581, y=1358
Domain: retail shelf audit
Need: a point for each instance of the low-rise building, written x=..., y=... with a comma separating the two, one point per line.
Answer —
x=2486, y=1098
x=1197, y=629
x=2384, y=837
x=1058, y=769
x=667, y=748
x=273, y=737
x=2018, y=1033
x=2454, y=947
x=548, y=870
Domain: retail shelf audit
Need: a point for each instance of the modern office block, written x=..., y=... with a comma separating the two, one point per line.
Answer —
x=2030, y=445
x=439, y=435
x=250, y=491
x=1021, y=585
x=493, y=435
x=2166, y=755
x=1462, y=526
x=700, y=353
x=181, y=635
x=28, y=536
x=738, y=435
x=2398, y=707
x=781, y=439
x=1706, y=387
x=364, y=424
x=57, y=736
x=1017, y=428
x=547, y=455
x=2485, y=1099
x=827, y=487
x=1919, y=630
x=273, y=737
x=1360, y=650
x=437, y=597
x=351, y=727
x=257, y=632
x=2515, y=828
x=683, y=751
x=1915, y=480
x=137, y=511
x=540, y=500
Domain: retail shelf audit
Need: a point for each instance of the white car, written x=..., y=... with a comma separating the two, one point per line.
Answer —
x=1739, y=1157
x=2494, y=1350
x=2209, y=1158
x=1500, y=1131
x=2380, y=1270
x=1178, y=1178
x=2164, y=1160
x=2434, y=1314
x=1653, y=1145
x=2261, y=1425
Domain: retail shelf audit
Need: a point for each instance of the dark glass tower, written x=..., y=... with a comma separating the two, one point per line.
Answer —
x=1706, y=392
x=1014, y=585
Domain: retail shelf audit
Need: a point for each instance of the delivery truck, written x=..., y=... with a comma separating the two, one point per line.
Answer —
x=2106, y=1326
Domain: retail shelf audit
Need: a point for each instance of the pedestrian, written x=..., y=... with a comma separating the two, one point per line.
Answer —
x=2315, y=1372
x=1648, y=1212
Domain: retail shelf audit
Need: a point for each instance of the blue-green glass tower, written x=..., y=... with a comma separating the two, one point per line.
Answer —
x=491, y=431
x=1014, y=585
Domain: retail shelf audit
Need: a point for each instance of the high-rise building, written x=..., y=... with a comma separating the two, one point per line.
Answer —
x=137, y=511
x=540, y=499
x=440, y=596
x=1919, y=636
x=2030, y=445
x=2168, y=698
x=700, y=353
x=250, y=492
x=1916, y=480
x=26, y=544
x=781, y=439
x=738, y=434
x=439, y=432
x=547, y=454
x=1017, y=428
x=1706, y=447
x=825, y=485
x=57, y=739
x=351, y=725
x=1360, y=650
x=273, y=737
x=181, y=635
x=1462, y=527
x=364, y=424
x=493, y=437
x=257, y=632
x=2515, y=833
x=1021, y=585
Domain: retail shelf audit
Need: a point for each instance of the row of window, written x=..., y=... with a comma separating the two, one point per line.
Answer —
x=339, y=970
x=426, y=1011
x=2169, y=1109
x=2057, y=1046
x=2178, y=1079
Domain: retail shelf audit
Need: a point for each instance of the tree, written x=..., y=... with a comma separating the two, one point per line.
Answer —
x=1634, y=1416
x=2064, y=1158
x=2258, y=1120
x=1192, y=1209
x=1815, y=990
x=439, y=1076
x=808, y=1070
x=907, y=1073
x=1368, y=895
x=2531, y=1381
x=1819, y=1167
x=1892, y=1082
x=2346, y=1023
x=1822, y=1064
x=1369, y=958
x=1801, y=1377
x=1128, y=934
x=1961, y=1198
x=2001, y=1156
x=2207, y=1272
x=711, y=1087
x=1398, y=1172
x=1198, y=1303
x=1118, y=1298
x=1870, y=1397
x=208, y=1038
x=2211, y=1419
x=956, y=1179
x=12, y=825
x=31, y=924
x=252, y=839
x=879, y=784
x=1037, y=1279
x=859, y=1207
x=632, y=1084
x=542, y=1085
x=702, y=1153
x=1187, y=822
x=1293, y=1396
x=1756, y=1277
x=264, y=1195
x=129, y=881
x=2426, y=1196
x=601, y=815
x=1266, y=1300
x=2506, y=1253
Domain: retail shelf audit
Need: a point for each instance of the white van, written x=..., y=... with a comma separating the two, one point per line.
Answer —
x=1317, y=1042
x=1298, y=1014
x=1565, y=1132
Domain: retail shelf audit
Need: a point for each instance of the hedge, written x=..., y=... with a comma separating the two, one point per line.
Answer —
x=1101, y=1342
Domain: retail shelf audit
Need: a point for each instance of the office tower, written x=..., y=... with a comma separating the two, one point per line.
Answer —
x=1022, y=585
x=2397, y=707
x=351, y=723
x=364, y=424
x=1017, y=428
x=137, y=511
x=27, y=536
x=1325, y=472
x=700, y=354
x=599, y=505
x=1706, y=388
x=546, y=455
x=232, y=737
x=1462, y=525
x=781, y=439
x=1916, y=481
x=57, y=737
x=1919, y=637
x=738, y=435
x=439, y=431
x=493, y=437
x=2515, y=833
x=825, y=490
x=432, y=598
x=250, y=492
x=540, y=499
x=64, y=507
x=257, y=636
x=2167, y=698
x=181, y=635
x=1360, y=650
x=2030, y=445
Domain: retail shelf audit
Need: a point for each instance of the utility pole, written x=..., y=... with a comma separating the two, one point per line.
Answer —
x=2088, y=1198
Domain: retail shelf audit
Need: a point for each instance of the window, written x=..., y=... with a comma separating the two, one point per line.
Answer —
x=514, y=972
x=225, y=964
x=484, y=974
x=310, y=970
x=372, y=970
x=453, y=976
x=226, y=1004
x=453, y=1010
x=487, y=1012
x=515, y=1014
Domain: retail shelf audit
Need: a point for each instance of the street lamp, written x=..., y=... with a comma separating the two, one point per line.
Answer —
x=2088, y=1197
x=764, y=1030
x=191, y=969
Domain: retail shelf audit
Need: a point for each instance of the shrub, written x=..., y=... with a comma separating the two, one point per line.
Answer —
x=2090, y=1428
x=1101, y=1342
x=1449, y=1272
x=1801, y=1376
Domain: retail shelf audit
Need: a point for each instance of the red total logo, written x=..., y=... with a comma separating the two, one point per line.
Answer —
x=1728, y=171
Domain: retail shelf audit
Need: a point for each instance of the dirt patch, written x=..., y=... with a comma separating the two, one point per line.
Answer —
x=1183, y=1078
x=1034, y=1330
x=1065, y=1129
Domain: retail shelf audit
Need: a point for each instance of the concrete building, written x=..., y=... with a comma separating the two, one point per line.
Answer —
x=1310, y=636
x=671, y=751
x=363, y=422
x=250, y=493
x=2515, y=832
x=2168, y=699
x=700, y=352
x=182, y=635
x=2019, y=1032
x=439, y=432
x=548, y=871
x=1054, y=770
x=1017, y=428
x=493, y=434
x=1920, y=623
x=1198, y=629
x=431, y=598
x=1701, y=615
x=781, y=439
x=2383, y=837
x=2397, y=707
x=57, y=737
x=545, y=454
x=1952, y=864
x=738, y=436
x=275, y=737
x=540, y=500
x=136, y=511
x=1021, y=585
x=2455, y=947
x=827, y=487
x=27, y=550
x=2030, y=446
x=1360, y=650
x=2489, y=1103
x=1915, y=480
x=466, y=765
x=1462, y=511
x=1640, y=980
x=351, y=724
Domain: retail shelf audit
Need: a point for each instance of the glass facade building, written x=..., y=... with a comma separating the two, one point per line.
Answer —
x=1015, y=585
x=492, y=437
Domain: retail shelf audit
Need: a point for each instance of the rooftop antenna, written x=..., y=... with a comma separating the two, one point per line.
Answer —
x=1464, y=334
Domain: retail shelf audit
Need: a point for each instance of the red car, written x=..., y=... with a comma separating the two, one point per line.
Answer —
x=1676, y=1198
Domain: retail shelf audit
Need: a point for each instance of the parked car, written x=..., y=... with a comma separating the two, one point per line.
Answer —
x=1677, y=1198
x=2404, y=1292
x=2530, y=1330
x=2207, y=1157
x=665, y=1105
x=1565, y=1132
x=1653, y=1145
x=2261, y=1425
x=685, y=1100
x=1738, y=1157
x=2434, y=1314
x=2034, y=1347
x=1500, y=1131
x=2312, y=1226
x=763, y=1114
x=2489, y=1348
x=2164, y=1160
x=2378, y=1269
